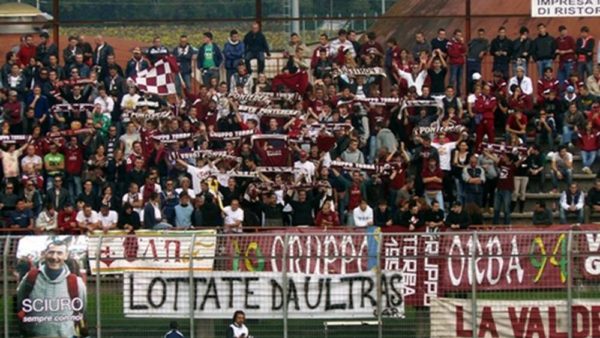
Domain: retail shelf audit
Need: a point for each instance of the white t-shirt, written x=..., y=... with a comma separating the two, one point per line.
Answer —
x=232, y=216
x=445, y=152
x=559, y=160
x=157, y=189
x=128, y=140
x=108, y=220
x=190, y=192
x=82, y=218
x=307, y=168
x=129, y=198
x=198, y=175
x=362, y=218
x=10, y=163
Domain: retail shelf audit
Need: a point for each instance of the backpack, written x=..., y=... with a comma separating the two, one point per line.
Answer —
x=73, y=289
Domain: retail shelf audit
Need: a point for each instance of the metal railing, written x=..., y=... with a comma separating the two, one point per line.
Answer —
x=336, y=283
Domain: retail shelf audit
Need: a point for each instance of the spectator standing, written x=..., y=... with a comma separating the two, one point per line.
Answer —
x=572, y=202
x=183, y=53
x=456, y=49
x=590, y=144
x=70, y=52
x=21, y=218
x=440, y=43
x=256, y=48
x=433, y=178
x=421, y=46
x=522, y=81
x=27, y=51
x=457, y=218
x=157, y=51
x=210, y=59
x=521, y=49
x=101, y=53
x=341, y=45
x=136, y=64
x=565, y=50
x=174, y=331
x=543, y=49
x=363, y=215
x=233, y=53
x=584, y=49
x=478, y=48
x=45, y=49
x=183, y=212
x=501, y=48
x=233, y=216
x=506, y=185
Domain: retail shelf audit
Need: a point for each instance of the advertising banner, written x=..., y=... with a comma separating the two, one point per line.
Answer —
x=564, y=8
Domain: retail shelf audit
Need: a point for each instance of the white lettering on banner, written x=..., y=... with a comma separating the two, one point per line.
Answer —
x=519, y=319
x=153, y=251
x=218, y=294
x=493, y=271
x=592, y=263
x=565, y=8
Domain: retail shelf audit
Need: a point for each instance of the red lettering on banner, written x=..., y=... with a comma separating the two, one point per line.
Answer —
x=535, y=326
x=152, y=247
x=460, y=323
x=487, y=323
x=595, y=316
x=582, y=312
x=518, y=323
x=553, y=324
x=177, y=249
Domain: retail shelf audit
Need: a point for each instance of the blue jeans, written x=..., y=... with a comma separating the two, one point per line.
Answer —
x=564, y=71
x=502, y=68
x=73, y=185
x=563, y=215
x=567, y=135
x=543, y=64
x=435, y=195
x=567, y=176
x=207, y=74
x=187, y=80
x=456, y=74
x=588, y=158
x=584, y=69
x=473, y=66
x=372, y=149
x=460, y=196
x=260, y=59
x=502, y=203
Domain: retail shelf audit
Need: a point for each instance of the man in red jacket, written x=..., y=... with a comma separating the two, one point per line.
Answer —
x=456, y=57
x=565, y=51
x=548, y=81
x=485, y=106
x=27, y=50
x=433, y=177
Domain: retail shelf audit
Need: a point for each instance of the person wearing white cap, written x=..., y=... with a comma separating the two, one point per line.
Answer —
x=521, y=80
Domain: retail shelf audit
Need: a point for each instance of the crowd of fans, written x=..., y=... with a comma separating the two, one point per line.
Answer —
x=396, y=135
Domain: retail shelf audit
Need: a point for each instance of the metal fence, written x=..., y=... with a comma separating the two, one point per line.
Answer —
x=336, y=284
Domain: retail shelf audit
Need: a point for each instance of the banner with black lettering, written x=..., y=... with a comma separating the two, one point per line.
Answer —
x=509, y=318
x=564, y=8
x=218, y=294
x=152, y=251
x=51, y=296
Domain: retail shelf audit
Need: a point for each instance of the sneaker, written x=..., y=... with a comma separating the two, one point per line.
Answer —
x=587, y=170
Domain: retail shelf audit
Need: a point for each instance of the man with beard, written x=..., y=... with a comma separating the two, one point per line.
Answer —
x=52, y=286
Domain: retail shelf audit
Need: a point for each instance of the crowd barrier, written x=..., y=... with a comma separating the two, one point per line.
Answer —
x=309, y=282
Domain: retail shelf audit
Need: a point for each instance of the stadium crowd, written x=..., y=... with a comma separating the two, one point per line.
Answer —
x=318, y=144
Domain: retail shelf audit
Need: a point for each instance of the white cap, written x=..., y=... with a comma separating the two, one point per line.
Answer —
x=476, y=76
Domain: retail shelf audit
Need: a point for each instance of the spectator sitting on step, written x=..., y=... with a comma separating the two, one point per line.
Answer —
x=572, y=202
x=541, y=214
x=593, y=202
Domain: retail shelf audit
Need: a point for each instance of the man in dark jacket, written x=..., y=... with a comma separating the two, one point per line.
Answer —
x=302, y=208
x=183, y=53
x=209, y=59
x=257, y=48
x=585, y=53
x=136, y=64
x=543, y=49
x=478, y=47
x=101, y=53
x=157, y=51
x=521, y=49
x=233, y=51
x=501, y=48
x=45, y=49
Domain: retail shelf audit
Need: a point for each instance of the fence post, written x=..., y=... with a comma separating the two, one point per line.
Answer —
x=5, y=283
x=364, y=22
x=98, y=296
x=192, y=289
x=569, y=284
x=474, y=284
x=379, y=291
x=284, y=268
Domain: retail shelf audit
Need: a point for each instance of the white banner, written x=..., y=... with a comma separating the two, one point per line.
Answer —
x=564, y=8
x=260, y=294
x=153, y=251
x=502, y=318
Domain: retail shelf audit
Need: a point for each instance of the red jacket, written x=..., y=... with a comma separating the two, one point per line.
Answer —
x=545, y=84
x=25, y=54
x=456, y=52
x=566, y=43
x=432, y=186
x=486, y=105
x=523, y=103
x=589, y=141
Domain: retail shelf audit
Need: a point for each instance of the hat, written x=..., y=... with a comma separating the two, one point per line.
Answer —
x=570, y=89
x=476, y=76
x=137, y=50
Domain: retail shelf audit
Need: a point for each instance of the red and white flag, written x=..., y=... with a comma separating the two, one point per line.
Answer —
x=157, y=80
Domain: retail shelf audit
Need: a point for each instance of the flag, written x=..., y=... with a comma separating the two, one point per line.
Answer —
x=156, y=80
x=297, y=82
